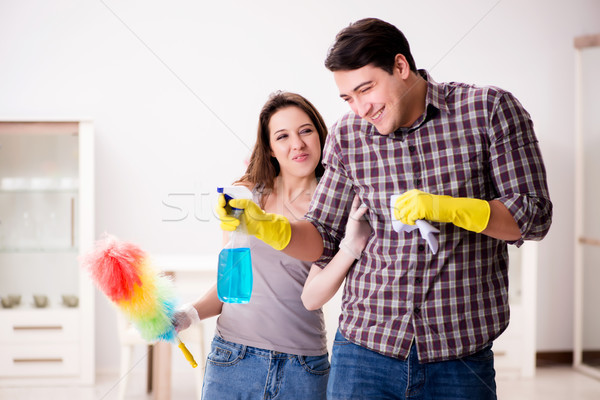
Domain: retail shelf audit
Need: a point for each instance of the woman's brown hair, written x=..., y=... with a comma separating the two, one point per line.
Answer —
x=263, y=167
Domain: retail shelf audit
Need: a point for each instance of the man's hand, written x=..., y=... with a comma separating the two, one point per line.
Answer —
x=470, y=214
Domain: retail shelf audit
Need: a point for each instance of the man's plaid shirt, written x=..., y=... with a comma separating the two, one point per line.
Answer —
x=475, y=142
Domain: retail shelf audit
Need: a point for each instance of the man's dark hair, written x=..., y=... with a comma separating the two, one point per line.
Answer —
x=368, y=41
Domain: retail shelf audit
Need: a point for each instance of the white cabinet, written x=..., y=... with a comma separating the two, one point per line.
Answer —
x=515, y=349
x=46, y=223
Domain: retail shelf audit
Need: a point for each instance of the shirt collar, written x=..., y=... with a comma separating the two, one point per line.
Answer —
x=436, y=94
x=435, y=102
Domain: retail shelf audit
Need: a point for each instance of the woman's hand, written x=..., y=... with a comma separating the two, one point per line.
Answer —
x=358, y=230
x=185, y=316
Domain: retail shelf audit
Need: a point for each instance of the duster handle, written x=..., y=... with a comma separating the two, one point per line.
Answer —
x=186, y=353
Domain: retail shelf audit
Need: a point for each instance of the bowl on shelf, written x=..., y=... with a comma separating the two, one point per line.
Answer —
x=11, y=300
x=15, y=299
x=40, y=300
x=70, y=300
x=6, y=303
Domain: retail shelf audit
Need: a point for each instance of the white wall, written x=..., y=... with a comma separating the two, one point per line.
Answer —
x=174, y=89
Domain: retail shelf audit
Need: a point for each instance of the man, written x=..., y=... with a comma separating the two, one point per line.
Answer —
x=415, y=324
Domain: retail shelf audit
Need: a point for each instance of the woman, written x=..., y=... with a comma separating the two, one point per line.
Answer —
x=273, y=346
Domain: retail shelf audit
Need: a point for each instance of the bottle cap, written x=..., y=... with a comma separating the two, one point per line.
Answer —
x=227, y=198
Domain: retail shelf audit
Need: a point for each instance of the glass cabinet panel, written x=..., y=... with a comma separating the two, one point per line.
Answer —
x=39, y=208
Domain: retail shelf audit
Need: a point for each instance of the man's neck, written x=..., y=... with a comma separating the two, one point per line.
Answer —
x=418, y=94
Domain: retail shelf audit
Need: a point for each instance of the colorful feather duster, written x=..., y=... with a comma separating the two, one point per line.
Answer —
x=123, y=272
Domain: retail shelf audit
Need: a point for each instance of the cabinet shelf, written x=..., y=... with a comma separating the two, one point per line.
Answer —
x=72, y=190
x=31, y=308
x=39, y=250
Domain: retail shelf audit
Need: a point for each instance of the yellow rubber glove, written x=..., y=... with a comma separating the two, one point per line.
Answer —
x=470, y=214
x=273, y=229
x=228, y=223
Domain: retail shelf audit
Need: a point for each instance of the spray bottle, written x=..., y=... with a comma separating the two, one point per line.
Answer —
x=234, y=279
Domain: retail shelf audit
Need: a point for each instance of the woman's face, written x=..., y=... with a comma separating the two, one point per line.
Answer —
x=294, y=142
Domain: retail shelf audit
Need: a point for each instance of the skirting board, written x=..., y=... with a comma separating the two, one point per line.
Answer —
x=548, y=358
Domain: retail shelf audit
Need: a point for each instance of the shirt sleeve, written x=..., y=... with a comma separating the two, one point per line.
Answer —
x=332, y=200
x=517, y=168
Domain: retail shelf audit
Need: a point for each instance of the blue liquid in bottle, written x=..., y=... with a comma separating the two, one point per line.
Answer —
x=234, y=278
x=234, y=281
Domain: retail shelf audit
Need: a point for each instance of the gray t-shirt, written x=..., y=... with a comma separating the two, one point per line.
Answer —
x=275, y=318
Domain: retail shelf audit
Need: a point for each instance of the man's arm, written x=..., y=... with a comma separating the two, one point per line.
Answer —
x=490, y=218
x=501, y=225
x=518, y=173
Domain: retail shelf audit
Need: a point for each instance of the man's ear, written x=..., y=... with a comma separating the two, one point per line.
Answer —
x=401, y=65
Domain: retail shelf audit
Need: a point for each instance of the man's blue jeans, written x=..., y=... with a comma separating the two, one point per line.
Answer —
x=235, y=371
x=359, y=373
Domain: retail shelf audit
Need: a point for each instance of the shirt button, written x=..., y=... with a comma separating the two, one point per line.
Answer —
x=417, y=182
x=411, y=148
x=418, y=280
x=417, y=310
x=421, y=247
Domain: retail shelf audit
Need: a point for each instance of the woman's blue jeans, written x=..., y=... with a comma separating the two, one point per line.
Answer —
x=359, y=373
x=235, y=371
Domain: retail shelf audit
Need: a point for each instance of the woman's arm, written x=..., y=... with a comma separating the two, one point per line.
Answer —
x=322, y=284
x=207, y=306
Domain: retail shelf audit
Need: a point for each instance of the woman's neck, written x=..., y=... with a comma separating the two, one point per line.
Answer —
x=290, y=188
x=291, y=196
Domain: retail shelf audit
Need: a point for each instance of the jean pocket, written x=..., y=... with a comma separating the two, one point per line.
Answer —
x=318, y=365
x=225, y=353
x=483, y=355
x=340, y=339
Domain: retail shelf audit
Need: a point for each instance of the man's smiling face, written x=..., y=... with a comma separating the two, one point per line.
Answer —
x=379, y=97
